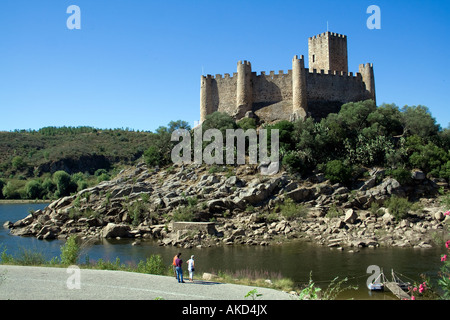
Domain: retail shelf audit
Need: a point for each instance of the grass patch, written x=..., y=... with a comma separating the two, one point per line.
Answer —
x=259, y=278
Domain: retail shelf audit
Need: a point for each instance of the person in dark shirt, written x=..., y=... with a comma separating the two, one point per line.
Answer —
x=179, y=270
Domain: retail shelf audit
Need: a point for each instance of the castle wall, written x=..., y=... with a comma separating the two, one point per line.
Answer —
x=328, y=91
x=272, y=94
x=271, y=88
x=224, y=93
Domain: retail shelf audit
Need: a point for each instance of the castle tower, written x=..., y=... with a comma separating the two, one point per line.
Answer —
x=244, y=88
x=328, y=51
x=299, y=95
x=206, y=103
x=368, y=77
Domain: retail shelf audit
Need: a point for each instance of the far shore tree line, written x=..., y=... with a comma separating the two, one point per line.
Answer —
x=342, y=146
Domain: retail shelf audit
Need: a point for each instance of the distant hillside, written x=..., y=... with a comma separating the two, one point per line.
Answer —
x=28, y=154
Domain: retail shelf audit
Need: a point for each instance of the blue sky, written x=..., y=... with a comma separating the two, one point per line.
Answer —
x=137, y=63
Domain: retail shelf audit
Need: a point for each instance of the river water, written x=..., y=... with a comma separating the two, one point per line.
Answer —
x=294, y=260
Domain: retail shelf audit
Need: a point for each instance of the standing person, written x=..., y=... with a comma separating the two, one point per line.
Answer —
x=174, y=264
x=178, y=264
x=191, y=268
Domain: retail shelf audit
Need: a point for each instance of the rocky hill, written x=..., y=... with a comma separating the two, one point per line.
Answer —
x=237, y=205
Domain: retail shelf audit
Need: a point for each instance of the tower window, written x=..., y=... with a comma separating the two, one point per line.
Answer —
x=314, y=58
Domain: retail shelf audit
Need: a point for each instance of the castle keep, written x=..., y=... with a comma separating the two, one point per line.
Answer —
x=315, y=91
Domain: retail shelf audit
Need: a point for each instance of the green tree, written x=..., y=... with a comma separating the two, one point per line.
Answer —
x=14, y=189
x=220, y=121
x=179, y=124
x=386, y=120
x=417, y=120
x=2, y=184
x=34, y=189
x=49, y=187
x=160, y=147
x=64, y=183
x=429, y=158
x=353, y=116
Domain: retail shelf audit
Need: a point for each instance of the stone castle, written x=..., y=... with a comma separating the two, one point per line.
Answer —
x=315, y=91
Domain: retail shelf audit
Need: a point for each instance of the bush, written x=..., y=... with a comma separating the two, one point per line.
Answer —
x=220, y=121
x=291, y=211
x=153, y=157
x=14, y=189
x=293, y=162
x=70, y=251
x=401, y=175
x=398, y=207
x=18, y=163
x=247, y=123
x=184, y=214
x=337, y=171
x=34, y=190
x=153, y=265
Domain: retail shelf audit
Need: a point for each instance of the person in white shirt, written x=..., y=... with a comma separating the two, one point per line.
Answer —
x=191, y=268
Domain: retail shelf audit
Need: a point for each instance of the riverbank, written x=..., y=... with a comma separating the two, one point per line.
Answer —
x=3, y=201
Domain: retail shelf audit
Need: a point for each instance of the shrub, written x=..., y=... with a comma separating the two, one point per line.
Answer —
x=292, y=162
x=103, y=177
x=186, y=214
x=70, y=251
x=137, y=212
x=153, y=157
x=247, y=123
x=29, y=257
x=337, y=171
x=220, y=121
x=153, y=265
x=18, y=163
x=291, y=211
x=398, y=207
x=401, y=175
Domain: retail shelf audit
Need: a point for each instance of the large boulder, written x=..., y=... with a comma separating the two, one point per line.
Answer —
x=350, y=216
x=418, y=175
x=112, y=230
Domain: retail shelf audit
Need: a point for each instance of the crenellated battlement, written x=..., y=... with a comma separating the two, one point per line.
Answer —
x=245, y=62
x=282, y=73
x=333, y=73
x=219, y=77
x=273, y=75
x=327, y=34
